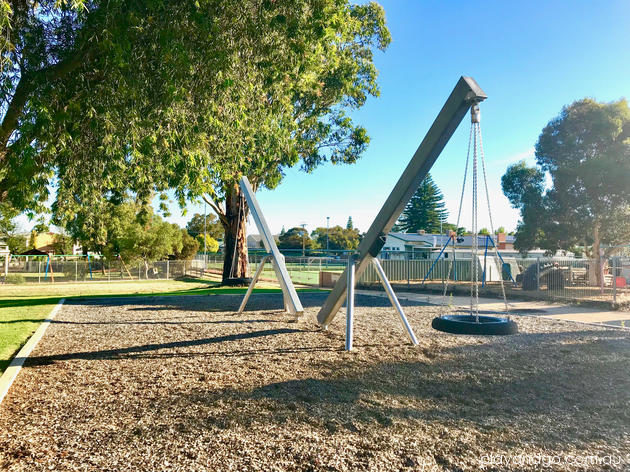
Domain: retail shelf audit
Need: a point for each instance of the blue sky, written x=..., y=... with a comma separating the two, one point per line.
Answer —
x=530, y=57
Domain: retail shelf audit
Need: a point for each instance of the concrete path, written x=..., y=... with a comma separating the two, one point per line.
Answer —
x=557, y=311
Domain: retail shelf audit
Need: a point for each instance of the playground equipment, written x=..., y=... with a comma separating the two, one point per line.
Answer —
x=473, y=323
x=465, y=95
x=489, y=270
x=291, y=300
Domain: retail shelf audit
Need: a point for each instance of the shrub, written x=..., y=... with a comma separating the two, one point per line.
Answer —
x=16, y=279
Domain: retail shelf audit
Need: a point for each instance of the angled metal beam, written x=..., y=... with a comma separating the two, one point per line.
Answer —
x=466, y=93
x=292, y=301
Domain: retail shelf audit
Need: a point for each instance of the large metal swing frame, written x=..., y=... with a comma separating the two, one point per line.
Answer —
x=292, y=302
x=466, y=93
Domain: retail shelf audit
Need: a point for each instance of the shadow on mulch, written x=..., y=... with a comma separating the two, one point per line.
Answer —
x=525, y=390
x=128, y=352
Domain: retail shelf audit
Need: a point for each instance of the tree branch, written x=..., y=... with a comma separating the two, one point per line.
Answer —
x=217, y=209
x=27, y=85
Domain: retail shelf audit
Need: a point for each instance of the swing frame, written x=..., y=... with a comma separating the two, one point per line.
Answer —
x=466, y=94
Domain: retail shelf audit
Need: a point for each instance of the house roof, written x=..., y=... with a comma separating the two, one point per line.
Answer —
x=33, y=252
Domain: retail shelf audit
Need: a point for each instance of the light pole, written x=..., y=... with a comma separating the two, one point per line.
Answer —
x=303, y=225
x=327, y=230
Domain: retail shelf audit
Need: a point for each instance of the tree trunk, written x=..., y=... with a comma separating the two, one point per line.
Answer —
x=597, y=271
x=235, y=259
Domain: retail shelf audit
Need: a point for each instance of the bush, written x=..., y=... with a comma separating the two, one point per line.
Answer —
x=16, y=279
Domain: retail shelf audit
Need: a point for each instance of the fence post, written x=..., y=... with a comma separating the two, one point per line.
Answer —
x=537, y=273
x=109, y=271
x=167, y=268
x=139, y=270
x=76, y=270
x=39, y=272
x=408, y=274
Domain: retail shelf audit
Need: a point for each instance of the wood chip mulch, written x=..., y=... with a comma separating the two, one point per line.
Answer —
x=185, y=384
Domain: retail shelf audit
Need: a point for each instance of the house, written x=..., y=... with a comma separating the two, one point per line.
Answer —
x=254, y=241
x=423, y=245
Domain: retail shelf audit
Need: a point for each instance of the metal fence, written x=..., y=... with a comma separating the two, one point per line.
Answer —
x=562, y=279
x=41, y=269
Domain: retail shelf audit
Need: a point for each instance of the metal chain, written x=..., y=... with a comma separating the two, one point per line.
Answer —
x=459, y=214
x=474, y=288
x=496, y=250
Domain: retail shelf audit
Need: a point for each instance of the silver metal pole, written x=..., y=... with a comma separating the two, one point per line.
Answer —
x=205, y=257
x=76, y=270
x=250, y=289
x=394, y=301
x=350, y=302
x=614, y=272
x=167, y=268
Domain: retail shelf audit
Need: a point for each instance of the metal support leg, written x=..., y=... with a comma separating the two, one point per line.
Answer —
x=250, y=289
x=350, y=303
x=394, y=300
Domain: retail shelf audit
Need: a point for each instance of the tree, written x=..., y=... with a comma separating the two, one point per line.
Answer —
x=349, y=224
x=140, y=96
x=499, y=230
x=8, y=230
x=212, y=245
x=460, y=231
x=585, y=154
x=338, y=238
x=213, y=228
x=129, y=230
x=62, y=244
x=425, y=210
x=484, y=232
x=283, y=101
x=190, y=247
x=295, y=238
x=148, y=238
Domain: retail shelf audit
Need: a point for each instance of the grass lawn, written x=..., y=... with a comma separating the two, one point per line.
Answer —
x=23, y=307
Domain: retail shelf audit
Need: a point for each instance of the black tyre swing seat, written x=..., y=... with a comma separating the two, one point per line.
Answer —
x=467, y=324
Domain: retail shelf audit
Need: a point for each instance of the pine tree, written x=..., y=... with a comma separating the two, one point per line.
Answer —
x=425, y=211
x=349, y=224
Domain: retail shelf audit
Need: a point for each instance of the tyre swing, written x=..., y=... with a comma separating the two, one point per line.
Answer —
x=473, y=323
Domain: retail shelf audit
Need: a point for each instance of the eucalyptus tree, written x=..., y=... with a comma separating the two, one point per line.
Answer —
x=107, y=99
x=295, y=70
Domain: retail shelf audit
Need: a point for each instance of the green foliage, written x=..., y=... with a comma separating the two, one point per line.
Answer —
x=62, y=244
x=213, y=227
x=425, y=211
x=16, y=243
x=15, y=279
x=350, y=224
x=460, y=231
x=212, y=245
x=8, y=230
x=189, y=248
x=295, y=238
x=139, y=97
x=128, y=229
x=339, y=238
x=484, y=232
x=585, y=152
